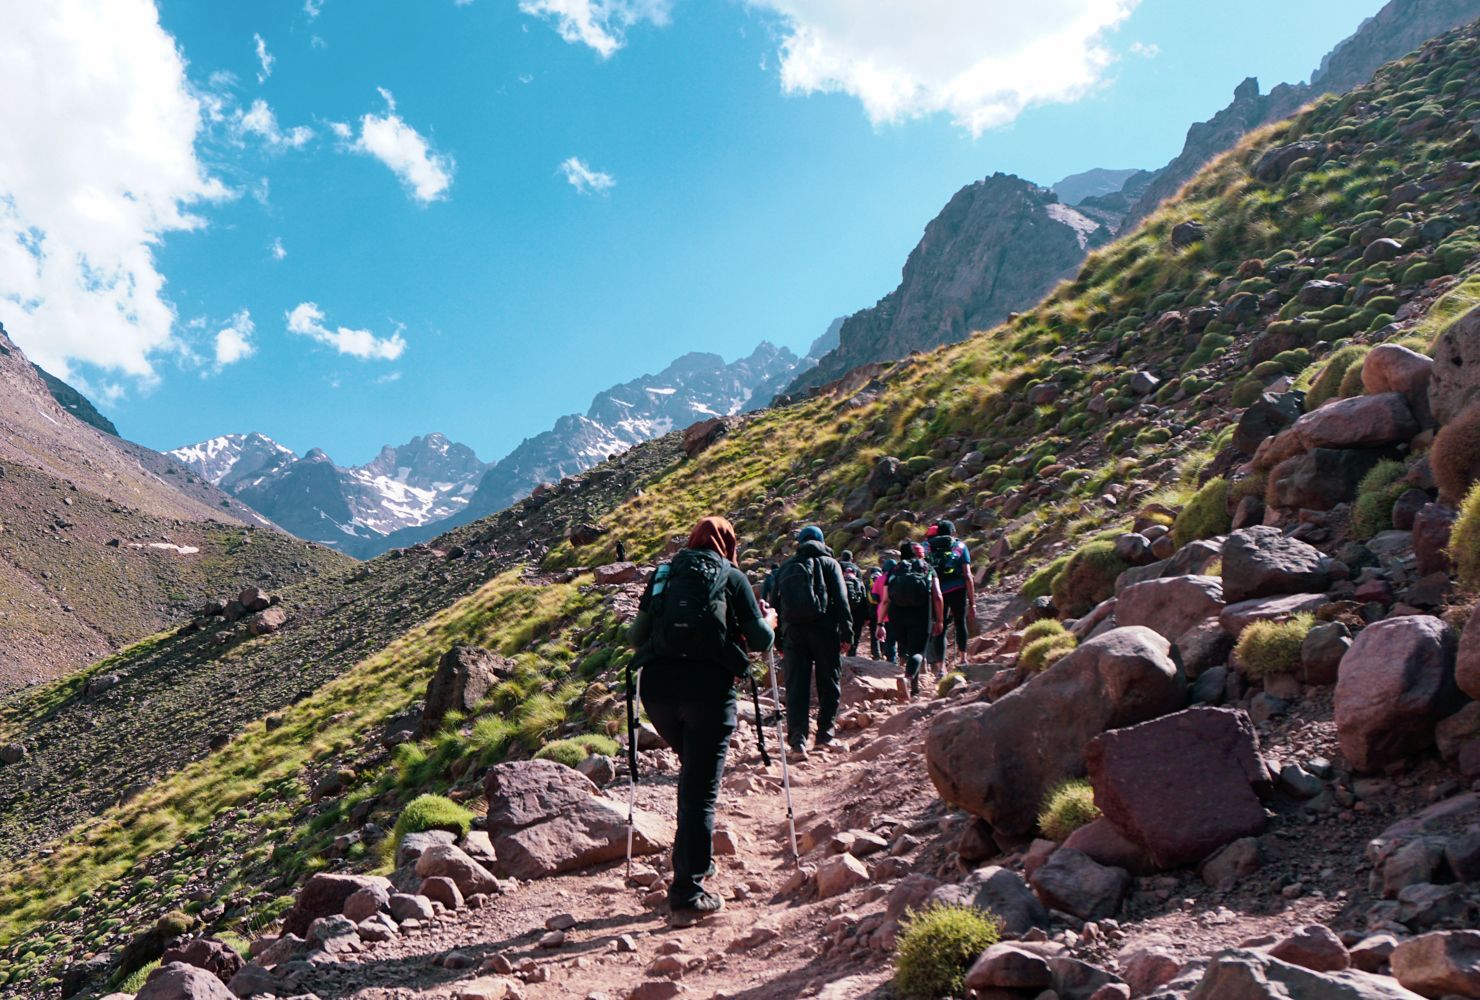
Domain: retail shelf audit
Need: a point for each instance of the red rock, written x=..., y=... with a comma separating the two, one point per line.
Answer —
x=1454, y=382
x=1237, y=617
x=1314, y=947
x=1318, y=479
x=447, y=861
x=1467, y=659
x=443, y=890
x=1074, y=884
x=463, y=676
x=838, y=874
x=253, y=599
x=1394, y=368
x=324, y=896
x=1182, y=786
x=1149, y=969
x=1171, y=605
x=1395, y=683
x=614, y=573
x=1431, y=527
x=267, y=622
x=1439, y=964
x=207, y=953
x=179, y=981
x=1105, y=845
x=998, y=760
x=1009, y=966
x=1358, y=422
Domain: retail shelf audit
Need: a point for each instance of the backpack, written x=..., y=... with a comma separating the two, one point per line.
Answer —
x=801, y=591
x=909, y=584
x=943, y=558
x=856, y=588
x=690, y=608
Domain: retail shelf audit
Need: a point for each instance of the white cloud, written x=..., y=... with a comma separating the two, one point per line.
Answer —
x=341, y=129
x=277, y=251
x=1148, y=51
x=318, y=42
x=312, y=8
x=426, y=175
x=601, y=24
x=981, y=61
x=583, y=178
x=235, y=342
x=308, y=319
x=265, y=58
x=97, y=163
x=260, y=121
x=394, y=376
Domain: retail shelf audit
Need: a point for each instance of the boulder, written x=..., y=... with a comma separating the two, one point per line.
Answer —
x=1103, y=844
x=414, y=845
x=700, y=435
x=450, y=862
x=886, y=474
x=1204, y=647
x=545, y=818
x=367, y=902
x=1237, y=860
x=1320, y=478
x=1394, y=368
x=267, y=622
x=1237, y=617
x=254, y=599
x=1271, y=166
x=1148, y=969
x=1431, y=527
x=178, y=981
x=1171, y=605
x=1141, y=779
x=1184, y=234
x=1439, y=964
x=997, y=891
x=1321, y=654
x=1395, y=683
x=614, y=573
x=997, y=760
x=1263, y=562
x=1073, y=883
x=1009, y=967
x=838, y=874
x=214, y=956
x=1319, y=294
x=1467, y=659
x=1358, y=422
x=405, y=906
x=585, y=533
x=463, y=676
x=1266, y=417
x=1454, y=381
x=253, y=980
x=1244, y=974
x=441, y=889
x=1313, y=947
x=324, y=895
x=1380, y=250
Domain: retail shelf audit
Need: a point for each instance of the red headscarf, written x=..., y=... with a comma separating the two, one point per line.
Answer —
x=717, y=535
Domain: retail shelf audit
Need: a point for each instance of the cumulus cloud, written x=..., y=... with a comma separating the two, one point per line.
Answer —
x=265, y=58
x=1145, y=51
x=312, y=8
x=260, y=121
x=426, y=175
x=601, y=24
x=234, y=343
x=308, y=319
x=583, y=178
x=981, y=61
x=98, y=163
x=277, y=251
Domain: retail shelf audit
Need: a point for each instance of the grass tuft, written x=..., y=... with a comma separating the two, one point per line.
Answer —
x=1067, y=806
x=936, y=949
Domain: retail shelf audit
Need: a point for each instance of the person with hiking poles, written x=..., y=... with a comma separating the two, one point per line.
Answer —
x=817, y=629
x=697, y=621
x=951, y=560
x=914, y=609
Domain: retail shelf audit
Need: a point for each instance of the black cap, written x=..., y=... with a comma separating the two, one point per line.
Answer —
x=847, y=555
x=945, y=528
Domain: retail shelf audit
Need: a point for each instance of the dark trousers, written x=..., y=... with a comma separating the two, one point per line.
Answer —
x=809, y=650
x=887, y=647
x=955, y=601
x=699, y=732
x=862, y=615
x=911, y=627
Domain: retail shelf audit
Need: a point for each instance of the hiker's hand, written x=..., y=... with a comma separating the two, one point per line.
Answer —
x=938, y=628
x=771, y=619
x=844, y=647
x=879, y=633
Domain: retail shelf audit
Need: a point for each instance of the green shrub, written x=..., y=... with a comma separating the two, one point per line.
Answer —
x=1042, y=628
x=1376, y=494
x=1087, y=578
x=432, y=812
x=1040, y=654
x=595, y=743
x=1247, y=392
x=947, y=682
x=1040, y=583
x=1464, y=541
x=1327, y=385
x=567, y=752
x=1267, y=648
x=1455, y=457
x=135, y=982
x=236, y=943
x=1067, y=806
x=174, y=923
x=936, y=949
x=1351, y=383
x=1206, y=514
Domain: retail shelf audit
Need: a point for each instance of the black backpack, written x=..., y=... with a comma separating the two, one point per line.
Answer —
x=801, y=591
x=909, y=584
x=853, y=583
x=943, y=558
x=690, y=608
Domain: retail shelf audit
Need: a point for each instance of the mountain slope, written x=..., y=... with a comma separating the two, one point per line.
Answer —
x=103, y=542
x=75, y=402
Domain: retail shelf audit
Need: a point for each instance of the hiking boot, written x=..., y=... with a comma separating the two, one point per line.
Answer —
x=706, y=904
x=914, y=686
x=827, y=742
x=796, y=751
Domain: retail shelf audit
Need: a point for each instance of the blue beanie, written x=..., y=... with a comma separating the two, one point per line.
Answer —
x=811, y=533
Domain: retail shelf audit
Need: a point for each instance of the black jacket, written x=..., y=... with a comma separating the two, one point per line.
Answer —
x=839, y=613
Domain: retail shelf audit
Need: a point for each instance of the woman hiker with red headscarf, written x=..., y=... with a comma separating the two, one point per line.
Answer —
x=692, y=619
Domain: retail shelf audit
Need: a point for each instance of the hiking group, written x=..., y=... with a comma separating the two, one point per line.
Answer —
x=699, y=621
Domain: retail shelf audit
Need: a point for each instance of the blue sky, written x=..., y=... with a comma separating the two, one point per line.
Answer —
x=373, y=228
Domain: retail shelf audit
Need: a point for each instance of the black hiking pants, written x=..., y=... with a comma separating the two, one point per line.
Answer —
x=911, y=628
x=808, y=651
x=862, y=618
x=955, y=601
x=699, y=732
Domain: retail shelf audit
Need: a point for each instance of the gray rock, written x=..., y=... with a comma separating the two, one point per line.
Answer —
x=1170, y=605
x=1267, y=416
x=1423, y=906
x=1454, y=380
x=178, y=981
x=1203, y=647
x=1415, y=863
x=406, y=907
x=1320, y=478
x=1321, y=654
x=999, y=891
x=1243, y=974
x=1074, y=883
x=599, y=768
x=414, y=845
x=1262, y=562
x=1395, y=684
x=1237, y=860
x=253, y=980
x=1298, y=783
x=1210, y=686
x=463, y=676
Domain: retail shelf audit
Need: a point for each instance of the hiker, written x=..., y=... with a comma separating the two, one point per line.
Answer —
x=621, y=551
x=817, y=627
x=883, y=634
x=913, y=607
x=858, y=604
x=872, y=622
x=951, y=561
x=696, y=621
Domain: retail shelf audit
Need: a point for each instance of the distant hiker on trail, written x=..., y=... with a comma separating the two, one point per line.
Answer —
x=951, y=561
x=858, y=604
x=914, y=609
x=621, y=551
x=883, y=633
x=817, y=628
x=872, y=621
x=695, y=623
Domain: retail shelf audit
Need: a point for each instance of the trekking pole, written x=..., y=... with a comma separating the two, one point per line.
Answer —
x=760, y=722
x=791, y=820
x=631, y=761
